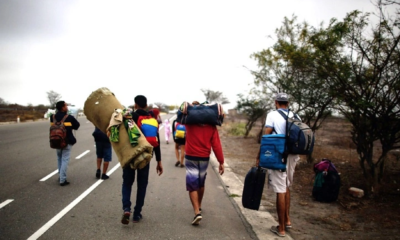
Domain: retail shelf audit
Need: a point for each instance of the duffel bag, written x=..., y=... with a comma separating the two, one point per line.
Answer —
x=212, y=114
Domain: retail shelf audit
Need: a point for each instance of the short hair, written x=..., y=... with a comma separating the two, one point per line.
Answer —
x=284, y=103
x=195, y=103
x=141, y=101
x=60, y=105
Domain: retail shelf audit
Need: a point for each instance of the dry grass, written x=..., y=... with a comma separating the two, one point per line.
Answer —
x=333, y=141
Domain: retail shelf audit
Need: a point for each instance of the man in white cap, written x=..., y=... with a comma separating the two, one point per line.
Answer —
x=280, y=181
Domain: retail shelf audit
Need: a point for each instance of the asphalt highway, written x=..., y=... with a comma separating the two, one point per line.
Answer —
x=34, y=206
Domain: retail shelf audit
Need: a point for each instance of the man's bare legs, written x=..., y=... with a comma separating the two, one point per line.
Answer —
x=195, y=199
x=105, y=167
x=182, y=156
x=177, y=154
x=287, y=218
x=281, y=210
x=99, y=163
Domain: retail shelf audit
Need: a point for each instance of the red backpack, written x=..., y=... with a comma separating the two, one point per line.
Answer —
x=58, y=134
x=149, y=127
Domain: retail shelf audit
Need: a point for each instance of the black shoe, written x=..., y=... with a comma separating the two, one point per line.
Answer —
x=125, y=218
x=177, y=164
x=64, y=183
x=136, y=218
x=98, y=173
x=197, y=219
x=104, y=176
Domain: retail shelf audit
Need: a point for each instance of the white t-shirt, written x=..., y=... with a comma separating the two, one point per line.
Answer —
x=276, y=121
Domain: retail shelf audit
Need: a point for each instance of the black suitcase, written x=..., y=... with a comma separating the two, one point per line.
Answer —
x=253, y=188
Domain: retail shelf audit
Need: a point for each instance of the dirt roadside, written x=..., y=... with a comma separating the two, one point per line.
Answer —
x=348, y=217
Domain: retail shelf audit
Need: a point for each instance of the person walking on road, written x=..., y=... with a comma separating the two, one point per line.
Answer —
x=200, y=139
x=129, y=174
x=180, y=141
x=167, y=130
x=103, y=151
x=280, y=181
x=63, y=155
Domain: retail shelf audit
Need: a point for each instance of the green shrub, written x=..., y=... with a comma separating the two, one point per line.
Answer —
x=237, y=129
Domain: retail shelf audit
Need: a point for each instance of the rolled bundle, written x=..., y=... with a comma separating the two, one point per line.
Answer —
x=99, y=108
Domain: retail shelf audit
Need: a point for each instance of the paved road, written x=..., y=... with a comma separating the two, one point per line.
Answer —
x=91, y=209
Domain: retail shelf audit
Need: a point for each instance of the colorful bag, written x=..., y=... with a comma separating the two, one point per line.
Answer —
x=326, y=182
x=272, y=152
x=180, y=131
x=149, y=127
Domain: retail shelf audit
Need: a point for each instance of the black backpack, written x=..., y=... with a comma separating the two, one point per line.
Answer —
x=326, y=182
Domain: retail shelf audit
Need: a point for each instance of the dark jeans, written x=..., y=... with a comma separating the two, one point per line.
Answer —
x=128, y=177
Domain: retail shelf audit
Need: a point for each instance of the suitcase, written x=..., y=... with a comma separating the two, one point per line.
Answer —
x=253, y=188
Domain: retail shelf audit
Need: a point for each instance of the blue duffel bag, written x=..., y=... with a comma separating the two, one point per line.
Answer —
x=200, y=114
x=272, y=152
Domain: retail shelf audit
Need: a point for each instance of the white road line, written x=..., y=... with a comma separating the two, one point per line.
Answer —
x=83, y=154
x=49, y=176
x=5, y=203
x=57, y=217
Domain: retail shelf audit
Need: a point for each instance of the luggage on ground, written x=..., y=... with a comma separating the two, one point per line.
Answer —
x=253, y=188
x=326, y=182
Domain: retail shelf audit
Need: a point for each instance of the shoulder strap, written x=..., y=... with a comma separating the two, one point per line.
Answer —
x=286, y=117
x=65, y=117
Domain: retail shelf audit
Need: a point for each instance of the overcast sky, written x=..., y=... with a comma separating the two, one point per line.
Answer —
x=166, y=50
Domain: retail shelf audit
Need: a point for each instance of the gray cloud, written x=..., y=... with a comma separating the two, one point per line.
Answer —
x=24, y=19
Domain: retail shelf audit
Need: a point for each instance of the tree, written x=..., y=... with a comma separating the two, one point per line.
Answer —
x=214, y=96
x=290, y=66
x=2, y=102
x=53, y=98
x=253, y=107
x=364, y=73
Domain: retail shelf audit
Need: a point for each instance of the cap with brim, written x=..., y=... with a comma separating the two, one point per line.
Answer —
x=281, y=97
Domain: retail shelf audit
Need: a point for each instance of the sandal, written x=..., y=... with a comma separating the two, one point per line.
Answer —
x=275, y=229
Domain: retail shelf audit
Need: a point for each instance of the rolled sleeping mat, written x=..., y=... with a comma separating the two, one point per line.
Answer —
x=99, y=108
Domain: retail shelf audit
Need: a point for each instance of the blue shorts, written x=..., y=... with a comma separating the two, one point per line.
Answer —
x=196, y=172
x=103, y=150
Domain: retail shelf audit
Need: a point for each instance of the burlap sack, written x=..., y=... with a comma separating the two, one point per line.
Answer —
x=98, y=108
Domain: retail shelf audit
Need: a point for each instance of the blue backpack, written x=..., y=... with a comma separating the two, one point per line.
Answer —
x=299, y=136
x=273, y=152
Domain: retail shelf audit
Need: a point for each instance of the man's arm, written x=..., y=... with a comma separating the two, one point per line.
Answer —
x=75, y=123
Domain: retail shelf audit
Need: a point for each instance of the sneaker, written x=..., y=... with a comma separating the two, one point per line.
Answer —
x=275, y=229
x=137, y=218
x=64, y=183
x=197, y=219
x=104, y=176
x=125, y=218
x=177, y=164
x=98, y=173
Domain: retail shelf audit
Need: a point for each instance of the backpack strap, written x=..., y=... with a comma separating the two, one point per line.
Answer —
x=62, y=120
x=286, y=117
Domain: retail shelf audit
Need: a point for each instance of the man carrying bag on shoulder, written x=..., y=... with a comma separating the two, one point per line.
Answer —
x=279, y=180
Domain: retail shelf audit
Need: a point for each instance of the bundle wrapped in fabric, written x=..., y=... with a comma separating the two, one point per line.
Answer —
x=102, y=108
x=212, y=114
